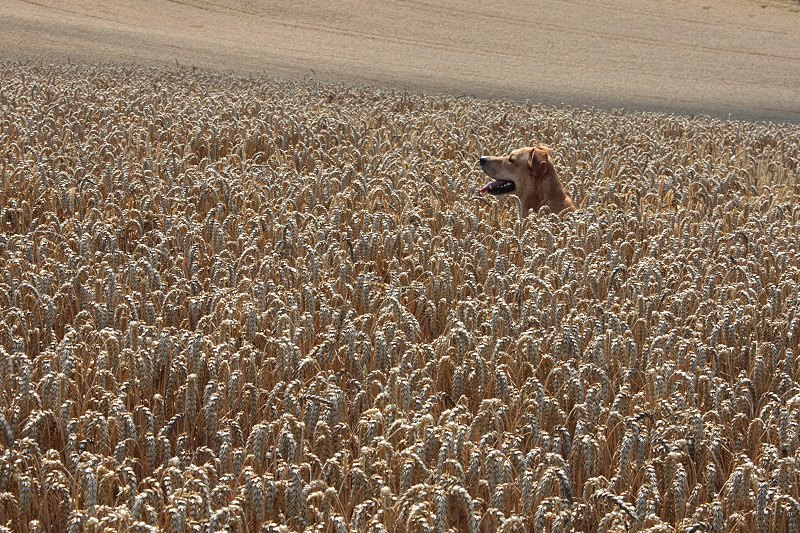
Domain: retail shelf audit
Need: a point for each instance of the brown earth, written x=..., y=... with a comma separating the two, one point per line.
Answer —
x=738, y=58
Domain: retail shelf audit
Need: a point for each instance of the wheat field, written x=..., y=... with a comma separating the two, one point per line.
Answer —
x=234, y=303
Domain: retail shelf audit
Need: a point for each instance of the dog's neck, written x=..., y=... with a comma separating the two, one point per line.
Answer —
x=546, y=191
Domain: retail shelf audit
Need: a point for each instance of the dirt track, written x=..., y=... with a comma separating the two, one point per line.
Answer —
x=738, y=58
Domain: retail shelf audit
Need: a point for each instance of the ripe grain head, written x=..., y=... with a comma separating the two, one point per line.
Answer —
x=237, y=301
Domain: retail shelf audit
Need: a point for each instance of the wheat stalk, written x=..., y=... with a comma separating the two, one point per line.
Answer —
x=217, y=290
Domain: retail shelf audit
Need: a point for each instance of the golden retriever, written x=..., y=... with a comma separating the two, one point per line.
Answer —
x=529, y=173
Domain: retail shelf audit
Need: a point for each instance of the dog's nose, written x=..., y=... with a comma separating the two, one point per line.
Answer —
x=483, y=160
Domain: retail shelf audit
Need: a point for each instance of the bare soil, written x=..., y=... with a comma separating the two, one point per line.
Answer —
x=725, y=58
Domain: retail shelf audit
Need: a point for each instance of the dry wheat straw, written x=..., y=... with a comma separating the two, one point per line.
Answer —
x=233, y=303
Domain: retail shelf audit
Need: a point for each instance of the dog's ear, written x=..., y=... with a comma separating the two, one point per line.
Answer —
x=537, y=161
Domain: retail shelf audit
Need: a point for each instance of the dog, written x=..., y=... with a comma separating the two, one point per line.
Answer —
x=530, y=174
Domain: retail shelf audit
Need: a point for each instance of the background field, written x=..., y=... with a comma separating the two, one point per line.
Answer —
x=228, y=301
x=719, y=57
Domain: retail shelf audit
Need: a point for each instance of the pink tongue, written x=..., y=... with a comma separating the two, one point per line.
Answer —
x=492, y=184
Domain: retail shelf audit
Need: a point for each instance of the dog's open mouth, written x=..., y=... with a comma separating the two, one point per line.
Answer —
x=498, y=187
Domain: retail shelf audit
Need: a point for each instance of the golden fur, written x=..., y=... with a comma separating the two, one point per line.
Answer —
x=530, y=174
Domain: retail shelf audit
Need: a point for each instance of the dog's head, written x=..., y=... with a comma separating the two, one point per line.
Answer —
x=518, y=171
